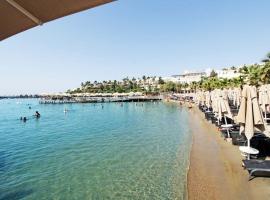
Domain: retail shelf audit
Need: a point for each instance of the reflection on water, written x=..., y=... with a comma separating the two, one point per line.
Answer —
x=2, y=161
x=20, y=194
x=93, y=152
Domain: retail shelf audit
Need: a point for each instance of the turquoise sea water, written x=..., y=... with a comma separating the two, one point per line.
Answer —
x=90, y=152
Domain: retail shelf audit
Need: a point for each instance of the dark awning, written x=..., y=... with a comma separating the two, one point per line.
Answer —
x=19, y=15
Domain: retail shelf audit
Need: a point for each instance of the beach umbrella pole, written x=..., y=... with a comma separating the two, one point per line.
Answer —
x=265, y=115
x=228, y=133
x=248, y=155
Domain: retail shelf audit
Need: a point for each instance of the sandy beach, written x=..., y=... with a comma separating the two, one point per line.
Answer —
x=215, y=170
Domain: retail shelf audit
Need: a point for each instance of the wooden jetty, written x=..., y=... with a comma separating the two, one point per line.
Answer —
x=64, y=100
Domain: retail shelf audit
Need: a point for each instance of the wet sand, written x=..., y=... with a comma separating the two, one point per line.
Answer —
x=215, y=170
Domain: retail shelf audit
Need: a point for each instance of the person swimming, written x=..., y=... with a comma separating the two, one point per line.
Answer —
x=37, y=115
x=24, y=119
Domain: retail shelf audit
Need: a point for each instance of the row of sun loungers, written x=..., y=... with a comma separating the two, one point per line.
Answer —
x=257, y=166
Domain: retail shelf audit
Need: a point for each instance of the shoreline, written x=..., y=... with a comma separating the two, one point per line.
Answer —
x=184, y=105
x=215, y=170
x=188, y=167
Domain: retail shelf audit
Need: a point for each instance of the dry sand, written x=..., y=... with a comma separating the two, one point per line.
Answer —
x=215, y=170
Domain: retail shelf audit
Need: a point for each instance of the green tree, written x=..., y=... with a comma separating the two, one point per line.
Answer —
x=178, y=87
x=160, y=81
x=193, y=86
x=213, y=73
x=252, y=74
x=265, y=73
x=144, y=78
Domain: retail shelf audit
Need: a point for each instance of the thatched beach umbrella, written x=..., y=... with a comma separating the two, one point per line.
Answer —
x=19, y=15
x=250, y=116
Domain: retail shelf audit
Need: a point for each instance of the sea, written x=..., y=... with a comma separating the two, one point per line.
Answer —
x=97, y=151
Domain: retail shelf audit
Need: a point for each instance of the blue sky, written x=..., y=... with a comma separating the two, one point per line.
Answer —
x=134, y=38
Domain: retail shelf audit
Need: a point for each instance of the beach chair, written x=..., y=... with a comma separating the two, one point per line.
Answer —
x=209, y=115
x=213, y=119
x=259, y=168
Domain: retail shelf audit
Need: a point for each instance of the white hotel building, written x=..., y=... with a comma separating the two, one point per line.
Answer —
x=187, y=77
x=227, y=73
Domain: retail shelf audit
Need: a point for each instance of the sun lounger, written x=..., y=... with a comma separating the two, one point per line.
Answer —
x=260, y=168
x=213, y=119
x=209, y=115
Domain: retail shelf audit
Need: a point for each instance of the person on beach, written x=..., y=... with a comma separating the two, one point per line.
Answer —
x=189, y=105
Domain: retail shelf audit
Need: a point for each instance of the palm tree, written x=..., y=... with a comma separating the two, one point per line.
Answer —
x=237, y=82
x=233, y=68
x=252, y=74
x=160, y=81
x=185, y=86
x=213, y=73
x=193, y=86
x=178, y=87
x=207, y=85
x=148, y=79
x=265, y=72
x=125, y=80
x=224, y=83
x=144, y=78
